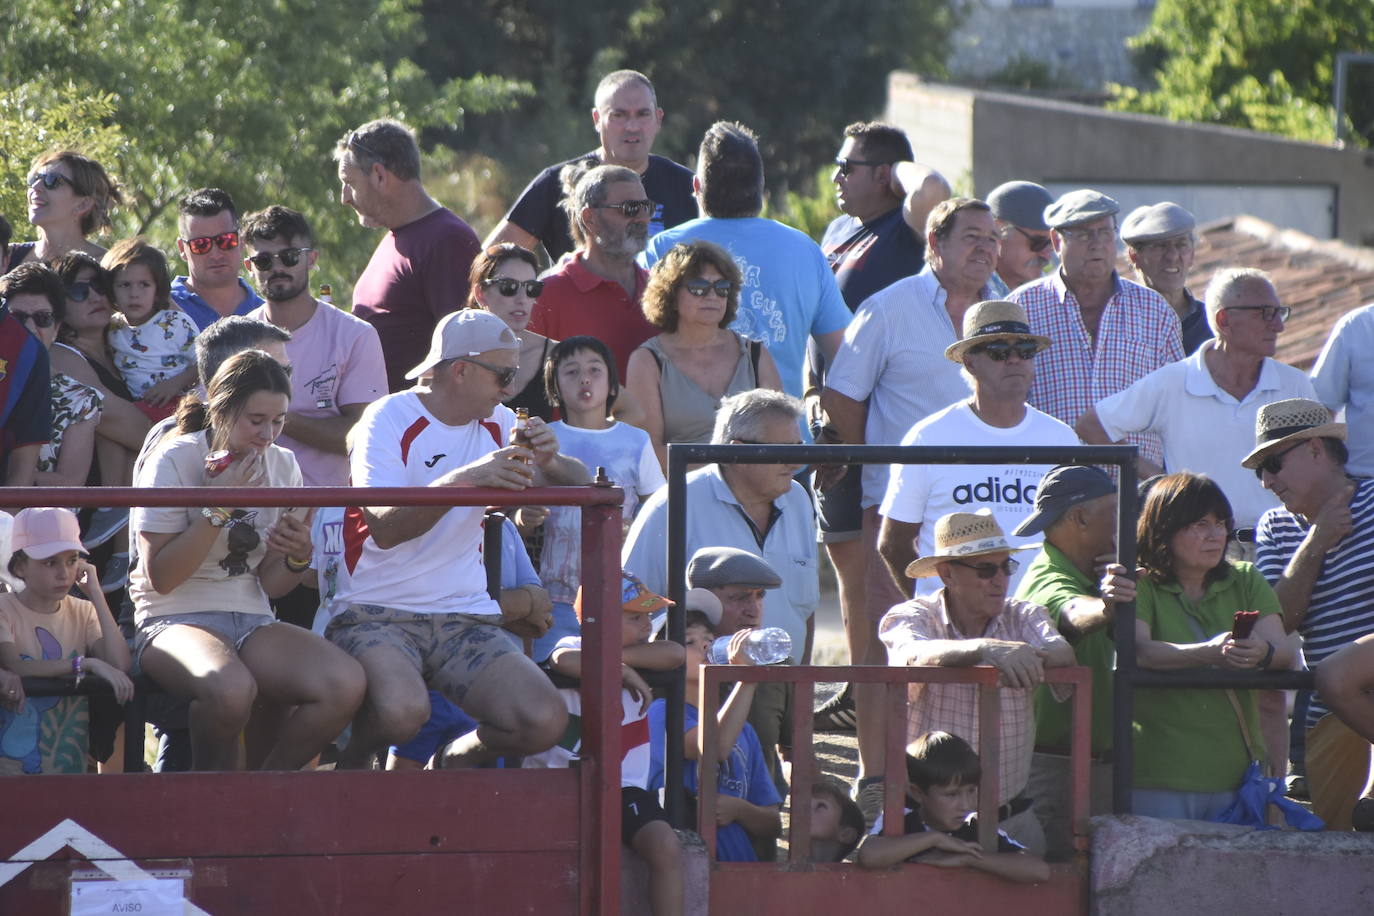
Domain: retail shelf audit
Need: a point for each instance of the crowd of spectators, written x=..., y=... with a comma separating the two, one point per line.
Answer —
x=669, y=310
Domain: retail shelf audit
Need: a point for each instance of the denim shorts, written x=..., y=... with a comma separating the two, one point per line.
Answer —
x=234, y=627
x=448, y=650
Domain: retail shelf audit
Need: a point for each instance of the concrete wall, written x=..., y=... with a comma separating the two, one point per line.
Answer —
x=1083, y=44
x=1012, y=136
x=1144, y=867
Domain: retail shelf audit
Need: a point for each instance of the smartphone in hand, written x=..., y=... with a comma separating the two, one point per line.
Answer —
x=1244, y=624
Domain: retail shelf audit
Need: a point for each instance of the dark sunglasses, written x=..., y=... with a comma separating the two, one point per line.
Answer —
x=504, y=374
x=999, y=350
x=1036, y=243
x=847, y=165
x=1266, y=312
x=988, y=570
x=699, y=287
x=289, y=257
x=50, y=180
x=39, y=319
x=507, y=286
x=1274, y=463
x=630, y=208
x=360, y=146
x=81, y=291
x=225, y=241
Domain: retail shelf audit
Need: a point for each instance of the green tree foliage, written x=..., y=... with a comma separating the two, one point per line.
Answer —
x=796, y=71
x=247, y=95
x=1263, y=64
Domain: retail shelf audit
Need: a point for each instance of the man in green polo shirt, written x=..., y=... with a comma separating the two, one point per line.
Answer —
x=1075, y=507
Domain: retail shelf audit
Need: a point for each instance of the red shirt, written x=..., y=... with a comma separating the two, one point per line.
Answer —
x=577, y=301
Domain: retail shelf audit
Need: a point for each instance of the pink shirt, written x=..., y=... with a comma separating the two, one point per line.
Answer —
x=335, y=359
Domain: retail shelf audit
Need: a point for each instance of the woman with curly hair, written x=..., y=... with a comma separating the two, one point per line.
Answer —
x=71, y=198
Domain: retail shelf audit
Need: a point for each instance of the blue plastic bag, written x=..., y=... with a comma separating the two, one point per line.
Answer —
x=1253, y=798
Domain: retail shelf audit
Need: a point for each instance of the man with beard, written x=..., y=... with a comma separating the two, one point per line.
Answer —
x=596, y=291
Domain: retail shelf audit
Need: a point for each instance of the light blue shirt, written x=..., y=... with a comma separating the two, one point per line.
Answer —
x=200, y=311
x=715, y=518
x=1344, y=377
x=789, y=291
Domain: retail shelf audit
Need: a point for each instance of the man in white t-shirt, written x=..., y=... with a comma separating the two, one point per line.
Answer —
x=416, y=610
x=997, y=353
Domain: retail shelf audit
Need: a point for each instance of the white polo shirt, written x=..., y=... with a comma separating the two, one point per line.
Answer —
x=1205, y=429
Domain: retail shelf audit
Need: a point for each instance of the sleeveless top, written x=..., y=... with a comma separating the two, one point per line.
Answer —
x=689, y=414
x=532, y=396
x=18, y=252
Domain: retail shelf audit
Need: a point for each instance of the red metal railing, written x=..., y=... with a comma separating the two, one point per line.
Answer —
x=35, y=803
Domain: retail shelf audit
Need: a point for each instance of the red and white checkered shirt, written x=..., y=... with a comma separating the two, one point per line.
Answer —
x=954, y=707
x=1138, y=333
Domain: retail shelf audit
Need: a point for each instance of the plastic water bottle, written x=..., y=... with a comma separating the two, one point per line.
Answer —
x=764, y=646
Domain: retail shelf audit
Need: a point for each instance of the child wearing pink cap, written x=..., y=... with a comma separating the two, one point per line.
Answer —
x=47, y=632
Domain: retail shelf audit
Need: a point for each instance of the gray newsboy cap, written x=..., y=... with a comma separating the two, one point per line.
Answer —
x=1021, y=203
x=717, y=567
x=1161, y=221
x=1060, y=490
x=1079, y=207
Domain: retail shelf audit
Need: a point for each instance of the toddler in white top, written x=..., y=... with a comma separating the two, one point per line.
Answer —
x=152, y=341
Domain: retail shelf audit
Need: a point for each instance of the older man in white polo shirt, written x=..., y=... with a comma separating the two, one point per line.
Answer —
x=1203, y=408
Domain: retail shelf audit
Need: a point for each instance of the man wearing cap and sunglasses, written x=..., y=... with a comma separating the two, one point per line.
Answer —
x=415, y=605
x=1317, y=550
x=208, y=240
x=29, y=299
x=1108, y=332
x=1026, y=249
x=999, y=354
x=969, y=620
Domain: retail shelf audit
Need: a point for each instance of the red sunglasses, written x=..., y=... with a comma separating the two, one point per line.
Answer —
x=225, y=241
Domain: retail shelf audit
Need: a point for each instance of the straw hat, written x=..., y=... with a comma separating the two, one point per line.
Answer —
x=1285, y=423
x=995, y=319
x=961, y=535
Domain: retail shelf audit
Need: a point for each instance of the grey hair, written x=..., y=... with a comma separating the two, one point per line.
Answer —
x=231, y=335
x=586, y=184
x=743, y=416
x=610, y=84
x=1222, y=289
x=383, y=141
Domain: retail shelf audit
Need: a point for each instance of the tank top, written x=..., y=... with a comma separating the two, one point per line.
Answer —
x=689, y=414
x=533, y=396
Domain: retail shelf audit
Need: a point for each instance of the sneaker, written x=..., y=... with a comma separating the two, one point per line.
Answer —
x=116, y=573
x=1297, y=787
x=104, y=524
x=868, y=794
x=1362, y=818
x=837, y=713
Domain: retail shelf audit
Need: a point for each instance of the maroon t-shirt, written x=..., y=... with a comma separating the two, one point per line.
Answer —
x=417, y=275
x=577, y=301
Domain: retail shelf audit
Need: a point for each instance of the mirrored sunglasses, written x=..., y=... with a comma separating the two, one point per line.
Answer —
x=225, y=241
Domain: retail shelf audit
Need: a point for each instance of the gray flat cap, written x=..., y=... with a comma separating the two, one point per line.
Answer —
x=1161, y=221
x=717, y=567
x=1079, y=207
x=1021, y=203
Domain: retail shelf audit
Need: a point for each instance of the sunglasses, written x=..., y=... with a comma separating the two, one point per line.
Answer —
x=1266, y=312
x=699, y=288
x=289, y=257
x=360, y=146
x=38, y=319
x=504, y=374
x=225, y=241
x=845, y=166
x=50, y=180
x=81, y=291
x=988, y=570
x=1000, y=351
x=630, y=208
x=507, y=286
x=1274, y=463
x=1036, y=243
x=1088, y=236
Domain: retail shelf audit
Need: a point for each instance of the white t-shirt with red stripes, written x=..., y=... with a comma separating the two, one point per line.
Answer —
x=398, y=443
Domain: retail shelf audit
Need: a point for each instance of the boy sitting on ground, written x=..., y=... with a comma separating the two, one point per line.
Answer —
x=643, y=825
x=941, y=827
x=837, y=824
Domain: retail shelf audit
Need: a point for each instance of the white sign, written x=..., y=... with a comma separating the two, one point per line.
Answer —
x=145, y=896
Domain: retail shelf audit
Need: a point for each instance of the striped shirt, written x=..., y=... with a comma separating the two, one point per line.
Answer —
x=1137, y=334
x=1341, y=607
x=954, y=707
x=893, y=356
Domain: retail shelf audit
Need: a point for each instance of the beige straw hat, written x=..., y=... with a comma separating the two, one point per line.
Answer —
x=960, y=535
x=995, y=319
x=1288, y=422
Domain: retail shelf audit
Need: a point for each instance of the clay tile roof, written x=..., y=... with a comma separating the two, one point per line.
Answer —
x=1320, y=280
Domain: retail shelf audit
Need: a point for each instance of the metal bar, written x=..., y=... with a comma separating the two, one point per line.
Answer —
x=990, y=758
x=803, y=772
x=894, y=758
x=493, y=528
x=708, y=702
x=676, y=693
x=1080, y=759
x=695, y=453
x=252, y=497
x=1123, y=632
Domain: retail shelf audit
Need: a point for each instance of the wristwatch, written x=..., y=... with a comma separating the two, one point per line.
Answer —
x=217, y=517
